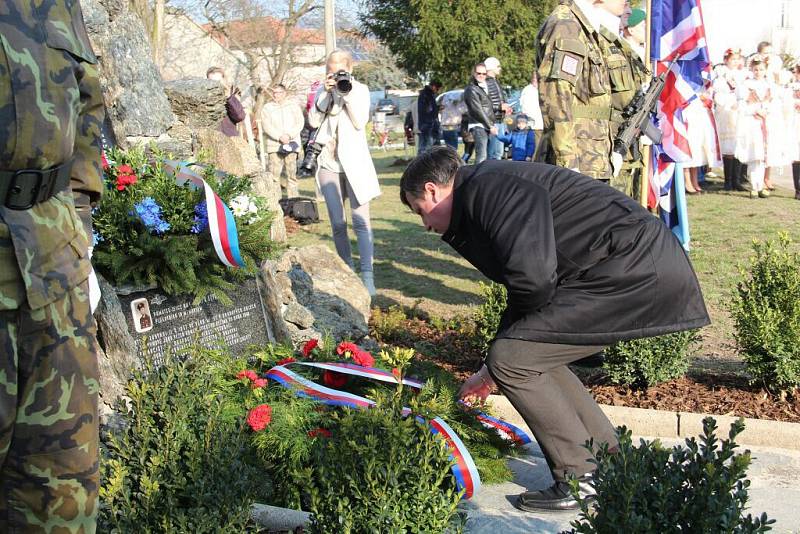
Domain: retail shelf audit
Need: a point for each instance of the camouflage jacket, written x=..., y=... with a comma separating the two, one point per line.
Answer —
x=627, y=72
x=575, y=93
x=51, y=110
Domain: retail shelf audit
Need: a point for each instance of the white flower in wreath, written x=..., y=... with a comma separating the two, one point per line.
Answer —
x=243, y=206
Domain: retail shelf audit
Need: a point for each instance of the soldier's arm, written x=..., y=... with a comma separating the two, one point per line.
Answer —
x=561, y=57
x=86, y=178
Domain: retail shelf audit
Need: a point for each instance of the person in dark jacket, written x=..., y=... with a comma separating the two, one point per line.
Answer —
x=480, y=111
x=428, y=116
x=521, y=139
x=234, y=111
x=585, y=266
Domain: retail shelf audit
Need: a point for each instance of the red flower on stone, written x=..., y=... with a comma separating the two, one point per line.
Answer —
x=364, y=358
x=248, y=374
x=259, y=383
x=347, y=349
x=259, y=417
x=285, y=361
x=310, y=345
x=319, y=433
x=334, y=379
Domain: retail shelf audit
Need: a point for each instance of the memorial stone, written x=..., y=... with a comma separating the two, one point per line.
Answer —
x=159, y=323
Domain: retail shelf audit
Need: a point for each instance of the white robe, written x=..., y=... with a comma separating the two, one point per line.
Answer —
x=792, y=112
x=726, y=109
x=760, y=138
x=701, y=135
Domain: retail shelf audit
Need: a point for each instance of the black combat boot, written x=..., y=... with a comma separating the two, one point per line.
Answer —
x=728, y=164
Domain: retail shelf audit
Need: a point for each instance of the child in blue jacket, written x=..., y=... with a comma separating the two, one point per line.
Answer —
x=521, y=139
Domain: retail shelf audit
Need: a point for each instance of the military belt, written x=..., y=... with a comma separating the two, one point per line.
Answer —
x=596, y=112
x=23, y=189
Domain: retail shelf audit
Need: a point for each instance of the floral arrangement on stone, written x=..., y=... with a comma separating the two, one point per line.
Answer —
x=376, y=421
x=153, y=226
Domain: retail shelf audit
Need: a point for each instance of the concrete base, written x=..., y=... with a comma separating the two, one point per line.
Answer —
x=757, y=432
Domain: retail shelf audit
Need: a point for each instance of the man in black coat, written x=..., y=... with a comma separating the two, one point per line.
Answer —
x=480, y=111
x=584, y=265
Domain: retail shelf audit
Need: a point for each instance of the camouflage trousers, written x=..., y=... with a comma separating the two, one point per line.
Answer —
x=628, y=181
x=48, y=417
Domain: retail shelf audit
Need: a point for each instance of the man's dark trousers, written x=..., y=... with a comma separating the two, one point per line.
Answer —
x=553, y=402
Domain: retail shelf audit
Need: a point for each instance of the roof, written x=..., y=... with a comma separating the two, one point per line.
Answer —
x=262, y=31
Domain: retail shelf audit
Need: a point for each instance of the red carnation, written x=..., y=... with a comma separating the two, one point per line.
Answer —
x=125, y=177
x=334, y=379
x=363, y=358
x=259, y=383
x=285, y=361
x=310, y=345
x=396, y=372
x=248, y=374
x=319, y=433
x=259, y=417
x=347, y=349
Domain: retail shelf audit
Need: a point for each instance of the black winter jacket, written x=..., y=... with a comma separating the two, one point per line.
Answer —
x=583, y=263
x=479, y=105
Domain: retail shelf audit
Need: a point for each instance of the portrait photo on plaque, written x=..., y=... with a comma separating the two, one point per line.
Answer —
x=142, y=320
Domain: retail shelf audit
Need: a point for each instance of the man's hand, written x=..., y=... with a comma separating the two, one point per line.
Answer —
x=477, y=387
x=283, y=139
x=616, y=163
x=330, y=83
x=493, y=130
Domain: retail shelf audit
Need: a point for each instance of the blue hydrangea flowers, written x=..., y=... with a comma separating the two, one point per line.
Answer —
x=150, y=214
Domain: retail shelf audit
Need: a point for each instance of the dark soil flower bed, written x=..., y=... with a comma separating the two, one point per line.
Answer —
x=719, y=395
x=451, y=347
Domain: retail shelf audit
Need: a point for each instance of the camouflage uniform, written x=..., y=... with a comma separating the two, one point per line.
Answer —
x=575, y=94
x=51, y=111
x=627, y=73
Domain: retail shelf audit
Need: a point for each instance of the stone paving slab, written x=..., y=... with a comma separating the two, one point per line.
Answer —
x=775, y=489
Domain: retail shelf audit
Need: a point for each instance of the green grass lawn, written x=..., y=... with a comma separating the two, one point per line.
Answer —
x=415, y=268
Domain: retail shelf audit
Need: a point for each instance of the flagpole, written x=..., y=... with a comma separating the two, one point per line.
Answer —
x=644, y=179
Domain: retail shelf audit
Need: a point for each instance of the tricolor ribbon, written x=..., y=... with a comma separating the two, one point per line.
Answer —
x=220, y=219
x=464, y=470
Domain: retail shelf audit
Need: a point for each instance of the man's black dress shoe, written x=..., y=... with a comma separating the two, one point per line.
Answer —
x=556, y=498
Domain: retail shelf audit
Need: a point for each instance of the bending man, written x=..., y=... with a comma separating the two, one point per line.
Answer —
x=584, y=265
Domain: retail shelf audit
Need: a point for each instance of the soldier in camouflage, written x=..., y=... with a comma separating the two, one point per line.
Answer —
x=51, y=111
x=627, y=74
x=575, y=88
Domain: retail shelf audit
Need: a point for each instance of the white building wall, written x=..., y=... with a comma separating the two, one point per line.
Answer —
x=745, y=23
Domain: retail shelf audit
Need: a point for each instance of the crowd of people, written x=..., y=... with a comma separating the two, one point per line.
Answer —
x=756, y=108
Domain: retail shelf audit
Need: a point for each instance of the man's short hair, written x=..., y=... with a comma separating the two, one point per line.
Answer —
x=438, y=164
x=436, y=83
x=215, y=70
x=481, y=64
x=762, y=45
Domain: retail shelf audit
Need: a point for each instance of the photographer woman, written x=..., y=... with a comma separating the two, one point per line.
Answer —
x=344, y=166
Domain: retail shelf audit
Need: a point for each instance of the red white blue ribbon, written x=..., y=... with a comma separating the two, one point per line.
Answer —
x=364, y=372
x=221, y=223
x=464, y=470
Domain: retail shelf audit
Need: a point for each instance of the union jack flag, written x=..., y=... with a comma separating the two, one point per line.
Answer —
x=678, y=42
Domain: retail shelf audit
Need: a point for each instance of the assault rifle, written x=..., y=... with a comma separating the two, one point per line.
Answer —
x=636, y=117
